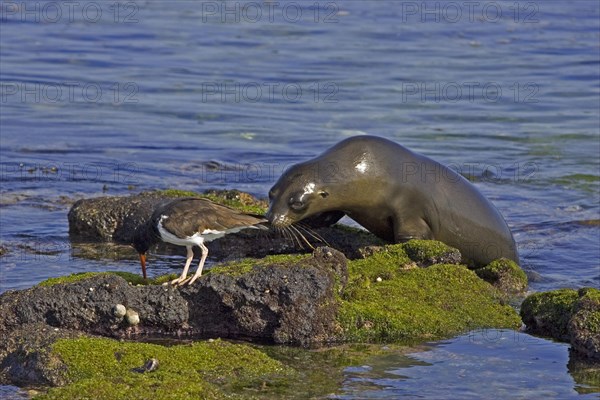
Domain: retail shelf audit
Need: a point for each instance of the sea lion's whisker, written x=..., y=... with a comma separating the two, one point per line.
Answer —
x=312, y=233
x=302, y=236
x=283, y=231
x=293, y=233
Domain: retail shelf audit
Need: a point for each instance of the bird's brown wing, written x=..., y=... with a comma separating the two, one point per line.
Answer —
x=187, y=216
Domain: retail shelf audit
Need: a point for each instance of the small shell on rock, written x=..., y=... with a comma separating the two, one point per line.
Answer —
x=132, y=317
x=119, y=310
x=149, y=366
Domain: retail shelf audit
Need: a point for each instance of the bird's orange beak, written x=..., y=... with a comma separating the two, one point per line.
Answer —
x=143, y=262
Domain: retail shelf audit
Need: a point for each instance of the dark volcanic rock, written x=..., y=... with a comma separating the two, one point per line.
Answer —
x=505, y=275
x=548, y=313
x=584, y=326
x=568, y=315
x=292, y=302
x=26, y=359
x=112, y=217
x=426, y=253
x=117, y=218
x=282, y=303
x=87, y=305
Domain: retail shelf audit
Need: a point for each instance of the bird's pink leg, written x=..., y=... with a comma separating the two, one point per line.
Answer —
x=188, y=262
x=200, y=265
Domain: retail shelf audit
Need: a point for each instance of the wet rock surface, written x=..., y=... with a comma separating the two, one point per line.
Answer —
x=505, y=275
x=113, y=218
x=299, y=299
x=291, y=303
x=26, y=358
x=567, y=315
x=427, y=253
x=87, y=306
x=117, y=218
x=584, y=325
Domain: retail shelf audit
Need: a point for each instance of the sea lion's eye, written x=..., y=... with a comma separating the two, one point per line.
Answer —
x=271, y=194
x=323, y=194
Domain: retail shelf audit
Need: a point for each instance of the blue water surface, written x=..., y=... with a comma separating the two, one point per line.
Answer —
x=104, y=98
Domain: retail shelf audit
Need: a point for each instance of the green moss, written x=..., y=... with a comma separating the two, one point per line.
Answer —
x=590, y=294
x=567, y=315
x=178, y=193
x=505, y=274
x=104, y=369
x=586, y=311
x=419, y=248
x=68, y=278
x=549, y=313
x=248, y=264
x=159, y=280
x=233, y=268
x=134, y=279
x=385, y=264
x=417, y=304
x=428, y=252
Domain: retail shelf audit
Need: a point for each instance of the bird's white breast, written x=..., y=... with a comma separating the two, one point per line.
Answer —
x=200, y=237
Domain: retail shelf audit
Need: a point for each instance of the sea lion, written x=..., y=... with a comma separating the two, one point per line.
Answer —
x=396, y=194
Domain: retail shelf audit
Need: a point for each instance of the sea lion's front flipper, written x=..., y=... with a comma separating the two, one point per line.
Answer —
x=415, y=228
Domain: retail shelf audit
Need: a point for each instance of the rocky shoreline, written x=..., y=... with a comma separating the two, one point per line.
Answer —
x=350, y=288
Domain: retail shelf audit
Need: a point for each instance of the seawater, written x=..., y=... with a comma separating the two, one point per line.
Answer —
x=109, y=98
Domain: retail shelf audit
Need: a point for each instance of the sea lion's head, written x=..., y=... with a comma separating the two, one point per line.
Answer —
x=298, y=194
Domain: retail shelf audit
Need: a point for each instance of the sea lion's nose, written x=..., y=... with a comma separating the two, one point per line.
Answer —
x=269, y=215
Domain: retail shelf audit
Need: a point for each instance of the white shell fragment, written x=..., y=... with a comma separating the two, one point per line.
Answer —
x=119, y=310
x=132, y=317
x=149, y=366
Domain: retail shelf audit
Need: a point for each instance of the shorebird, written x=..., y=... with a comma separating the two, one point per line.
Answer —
x=190, y=222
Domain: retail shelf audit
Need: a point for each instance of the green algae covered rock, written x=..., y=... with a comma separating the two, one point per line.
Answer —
x=548, y=313
x=108, y=369
x=430, y=252
x=384, y=301
x=297, y=299
x=505, y=275
x=133, y=279
x=584, y=326
x=568, y=315
x=293, y=299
